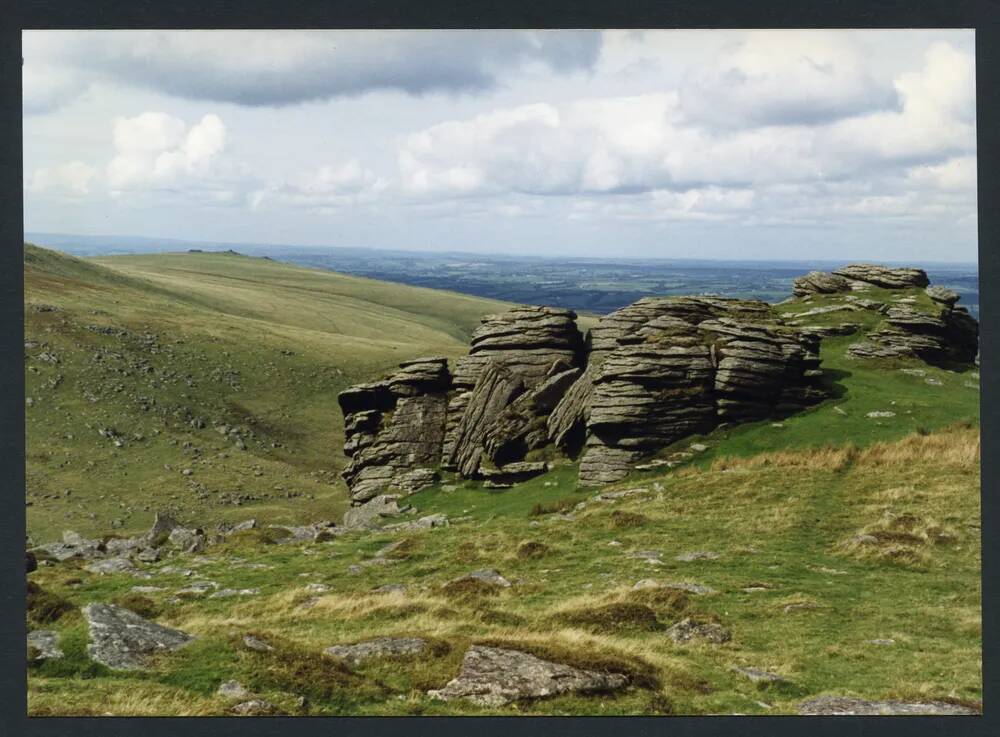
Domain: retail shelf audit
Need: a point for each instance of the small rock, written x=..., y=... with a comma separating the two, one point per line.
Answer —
x=45, y=644
x=881, y=641
x=391, y=588
x=697, y=555
x=760, y=676
x=254, y=708
x=232, y=690
x=111, y=565
x=877, y=414
x=486, y=575
x=380, y=647
x=687, y=630
x=226, y=593
x=257, y=644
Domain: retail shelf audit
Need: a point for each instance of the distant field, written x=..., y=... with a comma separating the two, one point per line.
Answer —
x=171, y=347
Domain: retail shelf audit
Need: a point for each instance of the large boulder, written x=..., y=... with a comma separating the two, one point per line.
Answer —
x=123, y=640
x=492, y=676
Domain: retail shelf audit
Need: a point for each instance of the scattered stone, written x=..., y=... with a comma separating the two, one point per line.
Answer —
x=122, y=640
x=227, y=593
x=391, y=588
x=881, y=641
x=319, y=588
x=697, y=555
x=653, y=557
x=492, y=676
x=373, y=512
x=111, y=565
x=44, y=645
x=486, y=575
x=687, y=630
x=257, y=644
x=198, y=588
x=232, y=690
x=760, y=676
x=254, y=708
x=377, y=648
x=850, y=706
x=882, y=413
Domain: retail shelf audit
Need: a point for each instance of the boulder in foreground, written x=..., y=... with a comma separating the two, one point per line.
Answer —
x=122, y=640
x=492, y=676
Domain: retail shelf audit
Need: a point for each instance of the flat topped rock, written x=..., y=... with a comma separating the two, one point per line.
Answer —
x=884, y=276
x=492, y=676
x=377, y=648
x=122, y=640
x=849, y=706
x=760, y=676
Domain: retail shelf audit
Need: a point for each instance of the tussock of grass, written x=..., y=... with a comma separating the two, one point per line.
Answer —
x=902, y=538
x=45, y=607
x=469, y=589
x=611, y=618
x=141, y=605
x=303, y=671
x=532, y=550
x=560, y=506
x=669, y=604
x=625, y=520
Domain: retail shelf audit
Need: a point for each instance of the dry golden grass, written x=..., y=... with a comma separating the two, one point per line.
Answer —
x=957, y=446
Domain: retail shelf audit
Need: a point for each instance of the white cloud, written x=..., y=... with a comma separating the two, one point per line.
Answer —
x=72, y=178
x=157, y=150
x=958, y=173
x=778, y=78
x=46, y=87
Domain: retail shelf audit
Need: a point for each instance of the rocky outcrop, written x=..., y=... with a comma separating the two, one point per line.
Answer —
x=943, y=334
x=646, y=376
x=492, y=676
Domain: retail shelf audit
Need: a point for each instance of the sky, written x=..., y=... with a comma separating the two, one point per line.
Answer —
x=671, y=144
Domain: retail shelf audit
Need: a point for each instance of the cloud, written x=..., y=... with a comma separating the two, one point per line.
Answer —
x=274, y=68
x=328, y=187
x=45, y=87
x=158, y=151
x=779, y=78
x=637, y=145
x=72, y=178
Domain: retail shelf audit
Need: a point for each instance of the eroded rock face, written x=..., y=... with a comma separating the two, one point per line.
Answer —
x=819, y=282
x=123, y=640
x=394, y=429
x=492, y=676
x=666, y=368
x=947, y=334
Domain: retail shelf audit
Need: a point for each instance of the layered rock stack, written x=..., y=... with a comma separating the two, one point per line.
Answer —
x=938, y=331
x=644, y=377
x=394, y=429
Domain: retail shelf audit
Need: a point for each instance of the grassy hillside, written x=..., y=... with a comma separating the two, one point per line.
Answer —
x=139, y=367
x=843, y=547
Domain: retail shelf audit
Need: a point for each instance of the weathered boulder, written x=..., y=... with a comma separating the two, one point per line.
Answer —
x=819, y=282
x=884, y=276
x=370, y=514
x=688, y=630
x=123, y=640
x=492, y=676
x=943, y=295
x=377, y=648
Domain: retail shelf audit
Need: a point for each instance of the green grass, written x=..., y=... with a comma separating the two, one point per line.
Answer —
x=239, y=341
x=782, y=507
